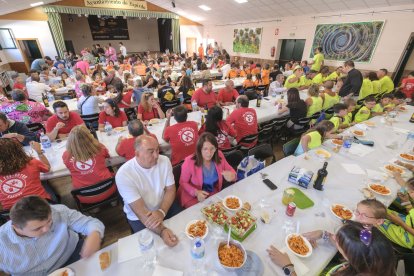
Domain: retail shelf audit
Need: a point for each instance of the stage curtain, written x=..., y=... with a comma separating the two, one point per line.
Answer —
x=55, y=24
x=176, y=35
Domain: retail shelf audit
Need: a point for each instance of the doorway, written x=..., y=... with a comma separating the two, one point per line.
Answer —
x=191, y=44
x=292, y=49
x=406, y=62
x=30, y=50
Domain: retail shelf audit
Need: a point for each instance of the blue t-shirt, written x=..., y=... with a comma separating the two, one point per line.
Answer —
x=210, y=177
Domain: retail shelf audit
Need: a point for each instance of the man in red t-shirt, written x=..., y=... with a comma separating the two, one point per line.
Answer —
x=125, y=146
x=60, y=124
x=182, y=136
x=407, y=85
x=205, y=95
x=243, y=119
x=227, y=95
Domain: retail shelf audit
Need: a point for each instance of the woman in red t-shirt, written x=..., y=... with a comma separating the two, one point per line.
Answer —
x=112, y=115
x=123, y=100
x=149, y=108
x=20, y=173
x=85, y=159
x=218, y=127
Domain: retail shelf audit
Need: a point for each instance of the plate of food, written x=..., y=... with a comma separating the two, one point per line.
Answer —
x=407, y=157
x=232, y=203
x=323, y=153
x=196, y=229
x=342, y=212
x=299, y=245
x=394, y=168
x=233, y=256
x=358, y=133
x=242, y=224
x=402, y=108
x=65, y=271
x=369, y=123
x=215, y=213
x=119, y=129
x=379, y=189
x=337, y=142
x=154, y=121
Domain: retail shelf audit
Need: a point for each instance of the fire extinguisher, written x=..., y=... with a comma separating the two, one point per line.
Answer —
x=272, y=51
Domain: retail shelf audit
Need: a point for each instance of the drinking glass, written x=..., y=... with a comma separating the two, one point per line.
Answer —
x=146, y=246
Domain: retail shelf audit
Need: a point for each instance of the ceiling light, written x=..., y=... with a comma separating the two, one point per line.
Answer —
x=204, y=7
x=37, y=4
x=241, y=1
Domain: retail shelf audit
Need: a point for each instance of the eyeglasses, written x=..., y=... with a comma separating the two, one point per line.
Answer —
x=366, y=235
x=359, y=214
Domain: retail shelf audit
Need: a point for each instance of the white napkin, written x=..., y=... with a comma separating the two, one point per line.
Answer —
x=128, y=248
x=352, y=168
x=163, y=271
x=360, y=150
x=300, y=267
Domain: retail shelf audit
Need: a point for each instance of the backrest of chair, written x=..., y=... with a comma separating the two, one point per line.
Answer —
x=95, y=189
x=249, y=138
x=35, y=127
x=91, y=120
x=177, y=173
x=315, y=115
x=237, y=147
x=329, y=111
x=252, y=95
x=262, y=151
x=280, y=122
x=234, y=158
x=4, y=216
x=360, y=102
x=171, y=104
x=303, y=121
x=268, y=126
x=290, y=147
x=131, y=113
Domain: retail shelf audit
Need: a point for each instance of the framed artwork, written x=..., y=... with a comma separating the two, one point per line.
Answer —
x=247, y=40
x=348, y=41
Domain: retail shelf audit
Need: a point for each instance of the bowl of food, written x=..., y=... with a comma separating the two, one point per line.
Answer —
x=342, y=212
x=358, y=133
x=407, y=157
x=393, y=168
x=233, y=256
x=379, y=189
x=298, y=245
x=196, y=229
x=65, y=271
x=232, y=203
x=337, y=142
x=323, y=153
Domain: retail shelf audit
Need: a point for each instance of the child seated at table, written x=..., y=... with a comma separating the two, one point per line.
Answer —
x=351, y=104
x=314, y=101
x=397, y=227
x=328, y=96
x=398, y=99
x=245, y=71
x=99, y=84
x=314, y=137
x=364, y=113
x=383, y=105
x=340, y=111
x=248, y=82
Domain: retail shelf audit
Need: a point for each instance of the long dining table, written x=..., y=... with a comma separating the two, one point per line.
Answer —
x=348, y=173
x=267, y=111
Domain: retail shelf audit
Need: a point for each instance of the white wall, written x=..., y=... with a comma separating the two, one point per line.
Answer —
x=190, y=31
x=143, y=34
x=29, y=29
x=395, y=34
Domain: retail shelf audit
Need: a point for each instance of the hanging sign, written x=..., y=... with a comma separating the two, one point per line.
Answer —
x=117, y=4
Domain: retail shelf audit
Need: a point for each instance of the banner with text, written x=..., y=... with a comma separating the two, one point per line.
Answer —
x=117, y=4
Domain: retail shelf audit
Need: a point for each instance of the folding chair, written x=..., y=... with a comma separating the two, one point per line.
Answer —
x=251, y=94
x=236, y=147
x=279, y=129
x=94, y=190
x=234, y=158
x=302, y=125
x=248, y=139
x=266, y=133
x=290, y=147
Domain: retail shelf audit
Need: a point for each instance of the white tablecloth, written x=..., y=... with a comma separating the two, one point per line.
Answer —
x=340, y=187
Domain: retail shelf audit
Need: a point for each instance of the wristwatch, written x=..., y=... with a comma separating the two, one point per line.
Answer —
x=288, y=269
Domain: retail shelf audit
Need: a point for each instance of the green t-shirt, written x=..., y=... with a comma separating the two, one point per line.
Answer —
x=318, y=79
x=360, y=117
x=316, y=106
x=387, y=85
x=333, y=76
x=366, y=89
x=337, y=121
x=348, y=119
x=295, y=84
x=330, y=101
x=305, y=82
x=377, y=108
x=317, y=62
x=396, y=233
x=376, y=86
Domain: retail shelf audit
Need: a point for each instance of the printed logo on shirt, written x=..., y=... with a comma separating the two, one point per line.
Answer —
x=187, y=135
x=85, y=167
x=13, y=186
x=248, y=117
x=190, y=92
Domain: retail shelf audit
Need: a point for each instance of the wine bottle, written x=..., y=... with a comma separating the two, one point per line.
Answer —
x=259, y=100
x=321, y=177
x=45, y=100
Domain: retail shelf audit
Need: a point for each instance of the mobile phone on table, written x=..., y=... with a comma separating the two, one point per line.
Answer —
x=266, y=99
x=270, y=184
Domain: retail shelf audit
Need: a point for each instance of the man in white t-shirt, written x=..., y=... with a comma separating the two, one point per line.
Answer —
x=146, y=184
x=123, y=49
x=35, y=88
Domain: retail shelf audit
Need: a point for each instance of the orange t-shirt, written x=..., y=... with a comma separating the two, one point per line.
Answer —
x=265, y=76
x=232, y=74
x=201, y=52
x=243, y=73
x=256, y=71
x=248, y=83
x=140, y=69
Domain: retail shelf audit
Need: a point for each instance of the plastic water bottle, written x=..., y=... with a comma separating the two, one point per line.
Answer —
x=274, y=94
x=146, y=246
x=346, y=144
x=197, y=255
x=194, y=105
x=108, y=128
x=45, y=141
x=50, y=97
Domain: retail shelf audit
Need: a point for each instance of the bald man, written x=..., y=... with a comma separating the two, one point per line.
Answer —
x=146, y=184
x=227, y=95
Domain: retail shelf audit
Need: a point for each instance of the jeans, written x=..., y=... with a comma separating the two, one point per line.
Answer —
x=137, y=225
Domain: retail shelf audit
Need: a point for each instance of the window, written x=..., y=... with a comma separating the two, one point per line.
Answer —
x=6, y=39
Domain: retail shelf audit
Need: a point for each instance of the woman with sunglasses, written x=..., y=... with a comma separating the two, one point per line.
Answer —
x=365, y=250
x=111, y=114
x=149, y=108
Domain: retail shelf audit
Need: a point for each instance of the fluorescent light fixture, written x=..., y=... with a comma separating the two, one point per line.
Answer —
x=204, y=7
x=36, y=4
x=241, y=1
